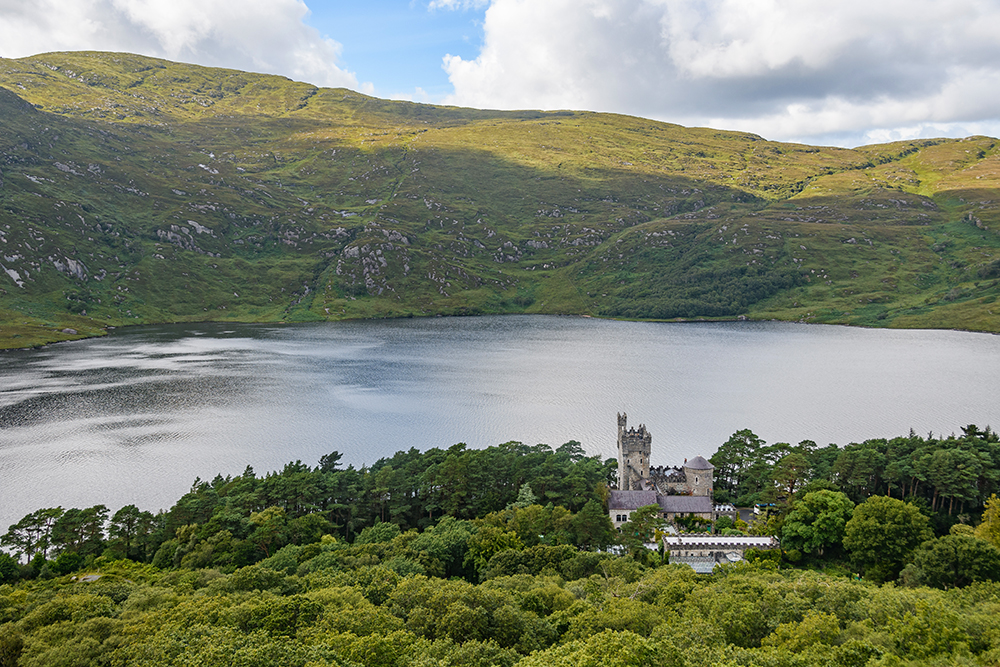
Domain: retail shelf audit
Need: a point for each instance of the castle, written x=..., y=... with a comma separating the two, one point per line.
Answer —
x=694, y=478
x=634, y=446
x=682, y=491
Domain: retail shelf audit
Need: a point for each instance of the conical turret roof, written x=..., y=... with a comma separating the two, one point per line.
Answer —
x=698, y=463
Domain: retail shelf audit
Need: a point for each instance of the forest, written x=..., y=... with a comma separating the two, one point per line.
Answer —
x=890, y=552
x=945, y=476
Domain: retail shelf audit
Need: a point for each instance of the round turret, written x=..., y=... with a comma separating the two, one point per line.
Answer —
x=700, y=474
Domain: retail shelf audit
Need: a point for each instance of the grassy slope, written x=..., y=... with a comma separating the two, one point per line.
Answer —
x=191, y=193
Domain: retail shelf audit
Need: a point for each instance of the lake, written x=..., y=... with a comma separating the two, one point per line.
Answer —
x=136, y=416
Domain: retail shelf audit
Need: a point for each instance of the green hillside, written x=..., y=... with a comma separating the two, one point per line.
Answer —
x=136, y=190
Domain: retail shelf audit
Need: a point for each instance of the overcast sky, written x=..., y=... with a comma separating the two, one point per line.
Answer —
x=847, y=73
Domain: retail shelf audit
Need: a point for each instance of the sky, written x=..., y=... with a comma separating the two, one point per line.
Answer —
x=843, y=73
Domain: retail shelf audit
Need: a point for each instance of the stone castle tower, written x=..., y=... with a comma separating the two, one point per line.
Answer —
x=698, y=474
x=694, y=478
x=634, y=446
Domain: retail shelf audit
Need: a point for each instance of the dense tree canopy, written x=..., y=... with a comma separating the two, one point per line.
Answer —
x=340, y=604
x=817, y=521
x=881, y=534
x=989, y=528
x=236, y=521
x=953, y=473
x=954, y=561
x=493, y=557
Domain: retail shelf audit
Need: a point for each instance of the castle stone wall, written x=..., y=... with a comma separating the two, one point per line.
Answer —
x=634, y=446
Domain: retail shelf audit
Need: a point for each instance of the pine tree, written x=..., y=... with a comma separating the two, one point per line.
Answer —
x=525, y=497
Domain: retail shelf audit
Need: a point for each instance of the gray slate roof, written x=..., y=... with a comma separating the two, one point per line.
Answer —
x=684, y=504
x=630, y=500
x=699, y=463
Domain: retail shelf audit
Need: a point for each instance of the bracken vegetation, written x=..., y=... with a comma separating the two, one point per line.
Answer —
x=135, y=190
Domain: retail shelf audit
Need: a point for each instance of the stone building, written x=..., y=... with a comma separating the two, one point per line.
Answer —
x=680, y=491
x=704, y=552
x=693, y=478
x=633, y=455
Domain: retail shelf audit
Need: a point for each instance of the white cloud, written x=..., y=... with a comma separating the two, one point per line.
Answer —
x=256, y=35
x=848, y=72
x=418, y=95
x=453, y=5
x=787, y=69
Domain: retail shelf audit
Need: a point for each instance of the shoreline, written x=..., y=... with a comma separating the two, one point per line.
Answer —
x=60, y=336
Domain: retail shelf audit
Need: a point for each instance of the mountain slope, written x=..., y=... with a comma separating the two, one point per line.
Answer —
x=137, y=190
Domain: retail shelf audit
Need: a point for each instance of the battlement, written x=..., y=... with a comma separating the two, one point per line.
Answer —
x=634, y=446
x=636, y=439
x=694, y=477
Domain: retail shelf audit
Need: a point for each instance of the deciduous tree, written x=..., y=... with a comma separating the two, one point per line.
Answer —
x=881, y=535
x=817, y=522
x=954, y=561
x=486, y=542
x=269, y=533
x=989, y=529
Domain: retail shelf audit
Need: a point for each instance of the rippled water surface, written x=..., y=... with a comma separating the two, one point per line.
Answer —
x=134, y=417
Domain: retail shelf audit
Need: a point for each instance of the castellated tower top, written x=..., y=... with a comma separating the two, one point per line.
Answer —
x=634, y=446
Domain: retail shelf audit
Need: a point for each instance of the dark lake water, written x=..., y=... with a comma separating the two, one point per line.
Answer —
x=134, y=417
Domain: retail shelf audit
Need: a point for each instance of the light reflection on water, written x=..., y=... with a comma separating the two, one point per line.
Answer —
x=136, y=416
